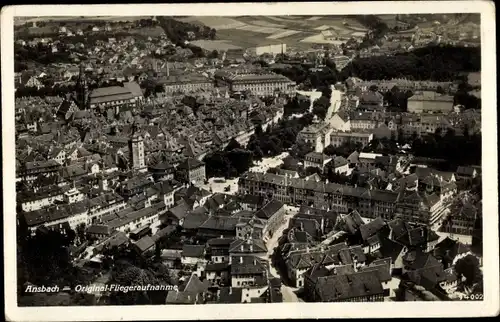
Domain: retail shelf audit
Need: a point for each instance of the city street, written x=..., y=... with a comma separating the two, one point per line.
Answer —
x=287, y=291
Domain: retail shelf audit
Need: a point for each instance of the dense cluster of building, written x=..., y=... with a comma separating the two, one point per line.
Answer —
x=128, y=169
x=342, y=258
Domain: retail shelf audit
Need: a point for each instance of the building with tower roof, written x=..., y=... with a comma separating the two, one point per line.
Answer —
x=82, y=89
x=136, y=150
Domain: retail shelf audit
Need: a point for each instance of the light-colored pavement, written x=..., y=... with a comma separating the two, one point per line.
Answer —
x=267, y=163
x=313, y=95
x=289, y=294
x=219, y=187
x=464, y=239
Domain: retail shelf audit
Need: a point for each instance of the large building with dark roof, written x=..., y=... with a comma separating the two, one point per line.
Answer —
x=185, y=83
x=257, y=82
x=430, y=102
x=336, y=197
x=104, y=97
x=362, y=286
x=191, y=171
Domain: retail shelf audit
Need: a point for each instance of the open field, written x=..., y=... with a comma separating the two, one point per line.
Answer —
x=244, y=38
x=283, y=34
x=219, y=45
x=318, y=39
x=218, y=23
x=298, y=32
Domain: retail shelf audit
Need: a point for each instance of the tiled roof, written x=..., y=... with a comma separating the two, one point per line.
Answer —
x=197, y=251
x=343, y=287
x=190, y=163
x=371, y=228
x=145, y=243
x=249, y=246
x=99, y=229
x=430, y=96
x=269, y=209
x=247, y=265
x=220, y=223
x=129, y=91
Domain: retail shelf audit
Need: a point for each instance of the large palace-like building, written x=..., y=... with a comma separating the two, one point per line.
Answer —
x=258, y=82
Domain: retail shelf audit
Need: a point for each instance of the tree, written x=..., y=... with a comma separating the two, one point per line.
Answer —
x=468, y=267
x=296, y=106
x=80, y=232
x=436, y=62
x=258, y=130
x=320, y=107
x=290, y=163
x=330, y=64
x=232, y=145
x=213, y=54
x=126, y=273
x=149, y=85
x=393, y=137
x=257, y=153
x=329, y=150
x=44, y=259
x=312, y=170
x=440, y=90
x=300, y=149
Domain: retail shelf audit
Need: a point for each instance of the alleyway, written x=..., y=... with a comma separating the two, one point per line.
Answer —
x=287, y=291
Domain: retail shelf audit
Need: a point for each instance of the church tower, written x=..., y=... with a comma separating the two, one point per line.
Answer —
x=82, y=89
x=136, y=151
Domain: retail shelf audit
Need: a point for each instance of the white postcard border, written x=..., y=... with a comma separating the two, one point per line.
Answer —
x=488, y=307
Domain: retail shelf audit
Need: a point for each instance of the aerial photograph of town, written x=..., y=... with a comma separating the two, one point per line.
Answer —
x=165, y=160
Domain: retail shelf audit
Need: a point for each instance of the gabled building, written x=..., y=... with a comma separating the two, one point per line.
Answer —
x=357, y=287
x=191, y=171
x=248, y=271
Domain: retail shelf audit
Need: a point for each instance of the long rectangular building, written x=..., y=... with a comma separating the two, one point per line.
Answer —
x=112, y=96
x=337, y=138
x=186, y=83
x=258, y=82
x=332, y=196
x=430, y=102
